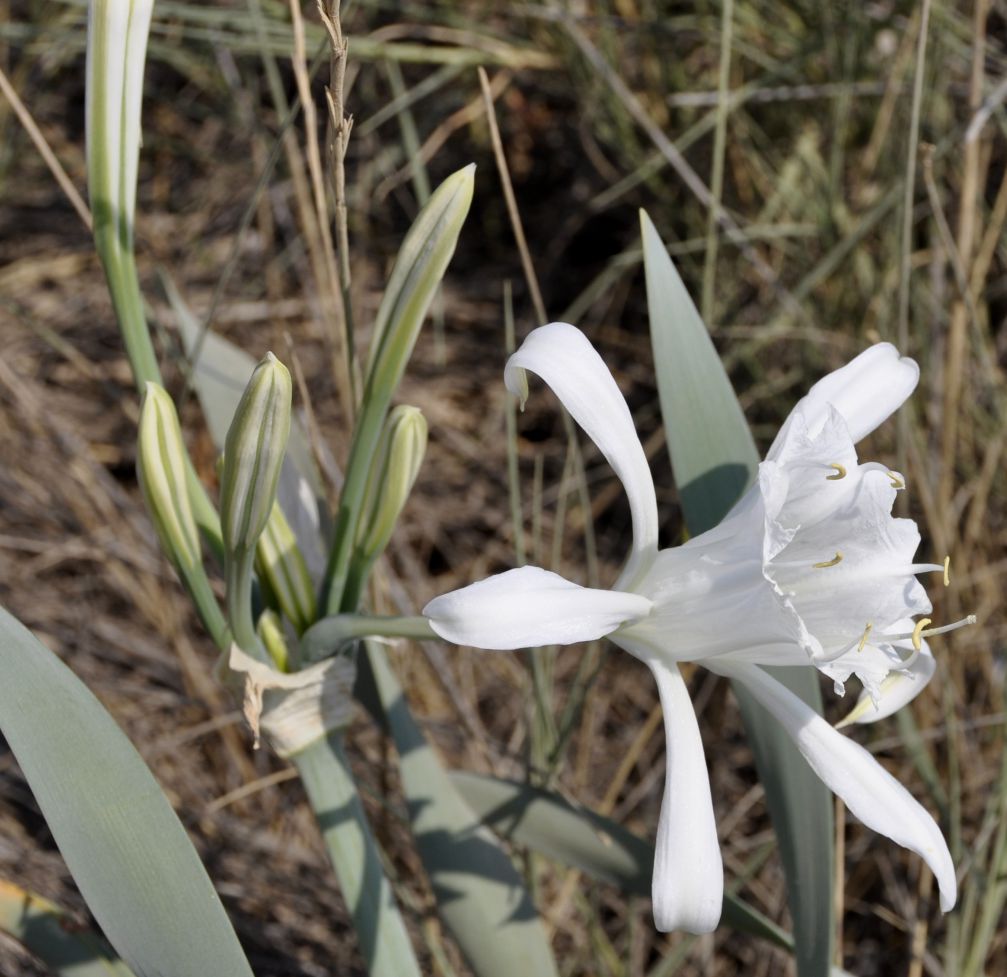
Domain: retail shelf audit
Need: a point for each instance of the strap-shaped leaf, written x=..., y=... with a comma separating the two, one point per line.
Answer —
x=597, y=845
x=480, y=895
x=124, y=845
x=714, y=459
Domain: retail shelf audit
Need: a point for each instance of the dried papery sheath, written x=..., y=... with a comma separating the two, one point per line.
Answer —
x=293, y=710
x=280, y=564
x=396, y=465
x=160, y=464
x=253, y=455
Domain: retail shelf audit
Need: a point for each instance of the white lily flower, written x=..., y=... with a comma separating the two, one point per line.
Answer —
x=809, y=568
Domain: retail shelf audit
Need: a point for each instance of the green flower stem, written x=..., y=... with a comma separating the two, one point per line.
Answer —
x=351, y=501
x=326, y=636
x=238, y=576
x=208, y=609
x=381, y=931
x=203, y=511
x=124, y=286
x=127, y=302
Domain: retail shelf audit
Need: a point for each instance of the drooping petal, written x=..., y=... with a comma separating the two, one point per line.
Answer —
x=564, y=358
x=869, y=791
x=527, y=607
x=867, y=391
x=688, y=887
x=894, y=691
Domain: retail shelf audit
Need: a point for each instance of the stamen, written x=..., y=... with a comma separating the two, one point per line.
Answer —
x=840, y=472
x=863, y=638
x=926, y=568
x=898, y=482
x=918, y=630
x=838, y=558
x=947, y=571
x=963, y=623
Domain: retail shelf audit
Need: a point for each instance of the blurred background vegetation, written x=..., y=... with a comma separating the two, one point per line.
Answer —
x=823, y=178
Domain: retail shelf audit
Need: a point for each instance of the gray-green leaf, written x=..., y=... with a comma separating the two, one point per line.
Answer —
x=124, y=845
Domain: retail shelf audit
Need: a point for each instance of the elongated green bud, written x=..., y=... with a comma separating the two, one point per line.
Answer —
x=160, y=465
x=161, y=462
x=270, y=631
x=396, y=465
x=253, y=455
x=419, y=268
x=281, y=565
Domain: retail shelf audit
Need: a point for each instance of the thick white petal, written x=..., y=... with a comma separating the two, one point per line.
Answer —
x=869, y=791
x=527, y=607
x=564, y=358
x=688, y=886
x=867, y=391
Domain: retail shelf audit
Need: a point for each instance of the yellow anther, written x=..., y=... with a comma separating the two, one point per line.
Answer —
x=947, y=571
x=918, y=631
x=838, y=558
x=840, y=472
x=863, y=637
x=897, y=481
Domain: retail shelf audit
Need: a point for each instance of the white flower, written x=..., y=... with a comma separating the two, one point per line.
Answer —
x=809, y=568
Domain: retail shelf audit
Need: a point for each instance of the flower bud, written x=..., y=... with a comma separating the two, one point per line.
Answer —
x=160, y=463
x=161, y=466
x=396, y=465
x=253, y=455
x=282, y=567
x=270, y=631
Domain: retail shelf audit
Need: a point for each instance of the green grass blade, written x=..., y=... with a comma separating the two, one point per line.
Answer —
x=480, y=895
x=66, y=949
x=714, y=459
x=602, y=848
x=124, y=845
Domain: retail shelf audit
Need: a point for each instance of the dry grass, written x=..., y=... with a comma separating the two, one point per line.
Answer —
x=809, y=268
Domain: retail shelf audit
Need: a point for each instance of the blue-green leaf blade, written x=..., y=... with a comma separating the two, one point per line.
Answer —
x=583, y=839
x=125, y=847
x=480, y=895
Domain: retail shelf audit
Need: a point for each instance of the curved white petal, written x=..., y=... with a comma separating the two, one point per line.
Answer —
x=867, y=391
x=894, y=691
x=869, y=791
x=688, y=887
x=527, y=607
x=564, y=358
